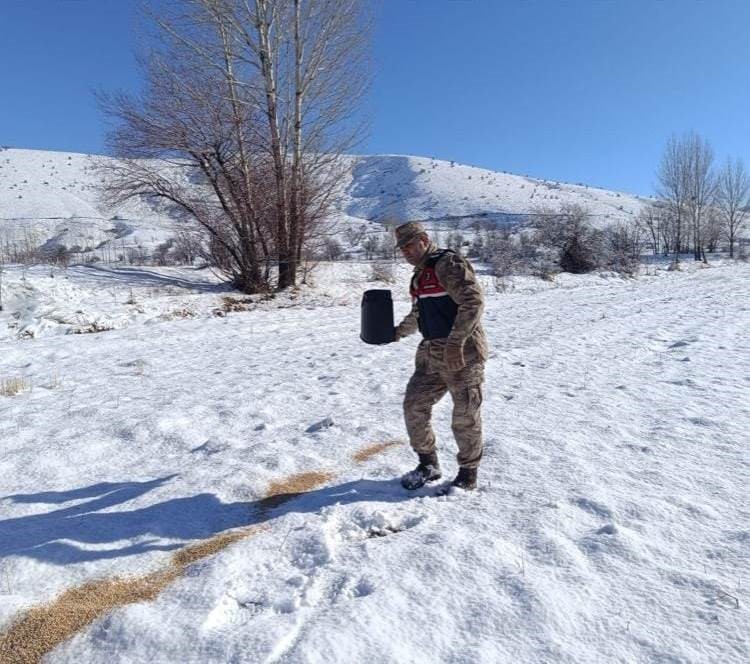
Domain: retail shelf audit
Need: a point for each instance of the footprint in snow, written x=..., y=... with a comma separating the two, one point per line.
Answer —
x=645, y=449
x=682, y=382
x=363, y=588
x=377, y=524
x=209, y=448
x=593, y=507
x=322, y=425
x=702, y=422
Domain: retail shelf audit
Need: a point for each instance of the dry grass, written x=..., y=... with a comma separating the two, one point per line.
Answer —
x=193, y=552
x=230, y=304
x=93, y=328
x=43, y=628
x=53, y=383
x=373, y=450
x=182, y=313
x=294, y=485
x=178, y=314
x=9, y=387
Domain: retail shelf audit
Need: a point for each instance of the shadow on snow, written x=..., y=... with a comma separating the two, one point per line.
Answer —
x=143, y=277
x=59, y=537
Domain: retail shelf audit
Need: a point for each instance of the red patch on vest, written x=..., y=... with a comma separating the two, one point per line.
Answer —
x=427, y=284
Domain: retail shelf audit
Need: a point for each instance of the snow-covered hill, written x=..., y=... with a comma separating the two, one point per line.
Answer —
x=399, y=187
x=54, y=197
x=238, y=474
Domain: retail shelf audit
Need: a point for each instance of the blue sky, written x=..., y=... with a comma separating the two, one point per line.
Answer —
x=574, y=90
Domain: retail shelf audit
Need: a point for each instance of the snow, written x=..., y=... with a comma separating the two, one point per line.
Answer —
x=399, y=187
x=54, y=198
x=611, y=523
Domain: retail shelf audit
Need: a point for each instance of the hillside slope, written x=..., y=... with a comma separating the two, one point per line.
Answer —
x=401, y=187
x=54, y=197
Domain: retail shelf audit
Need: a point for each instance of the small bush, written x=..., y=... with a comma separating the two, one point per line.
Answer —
x=578, y=256
x=181, y=313
x=580, y=247
x=93, y=328
x=9, y=387
x=383, y=271
x=332, y=249
x=232, y=304
x=161, y=254
x=624, y=248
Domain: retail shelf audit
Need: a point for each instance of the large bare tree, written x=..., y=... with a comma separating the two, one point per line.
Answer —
x=673, y=188
x=733, y=199
x=687, y=185
x=248, y=110
x=701, y=187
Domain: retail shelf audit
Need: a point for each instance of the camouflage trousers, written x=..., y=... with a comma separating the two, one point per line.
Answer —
x=430, y=382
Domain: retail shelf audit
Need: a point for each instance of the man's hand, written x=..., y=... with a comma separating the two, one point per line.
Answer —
x=453, y=356
x=396, y=337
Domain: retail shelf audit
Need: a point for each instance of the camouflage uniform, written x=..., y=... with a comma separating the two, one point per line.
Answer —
x=432, y=378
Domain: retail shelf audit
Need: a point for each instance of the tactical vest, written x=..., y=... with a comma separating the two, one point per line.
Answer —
x=437, y=310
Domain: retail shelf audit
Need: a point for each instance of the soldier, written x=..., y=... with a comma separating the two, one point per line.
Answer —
x=447, y=305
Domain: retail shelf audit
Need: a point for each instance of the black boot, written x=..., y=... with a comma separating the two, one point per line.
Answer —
x=428, y=470
x=466, y=479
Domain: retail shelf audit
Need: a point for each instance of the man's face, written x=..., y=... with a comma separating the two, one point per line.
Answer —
x=415, y=250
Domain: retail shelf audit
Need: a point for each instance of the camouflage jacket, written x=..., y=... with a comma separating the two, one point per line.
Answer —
x=456, y=275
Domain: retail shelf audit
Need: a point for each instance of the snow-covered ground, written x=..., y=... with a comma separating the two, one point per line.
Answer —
x=612, y=523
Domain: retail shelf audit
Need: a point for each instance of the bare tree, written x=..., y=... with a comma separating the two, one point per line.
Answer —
x=579, y=246
x=355, y=235
x=454, y=241
x=332, y=249
x=184, y=145
x=673, y=187
x=371, y=246
x=188, y=247
x=247, y=112
x=311, y=58
x=733, y=199
x=712, y=228
x=701, y=188
x=687, y=185
x=653, y=219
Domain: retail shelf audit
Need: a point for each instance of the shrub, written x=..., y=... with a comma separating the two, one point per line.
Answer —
x=9, y=387
x=580, y=247
x=332, y=249
x=579, y=256
x=624, y=247
x=383, y=271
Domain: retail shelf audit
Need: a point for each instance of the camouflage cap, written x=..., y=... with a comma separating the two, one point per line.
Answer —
x=405, y=233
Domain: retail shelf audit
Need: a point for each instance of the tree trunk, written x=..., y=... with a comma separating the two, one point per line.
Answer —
x=295, y=207
x=266, y=56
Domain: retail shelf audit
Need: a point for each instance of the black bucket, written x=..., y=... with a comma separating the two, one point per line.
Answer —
x=377, y=317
